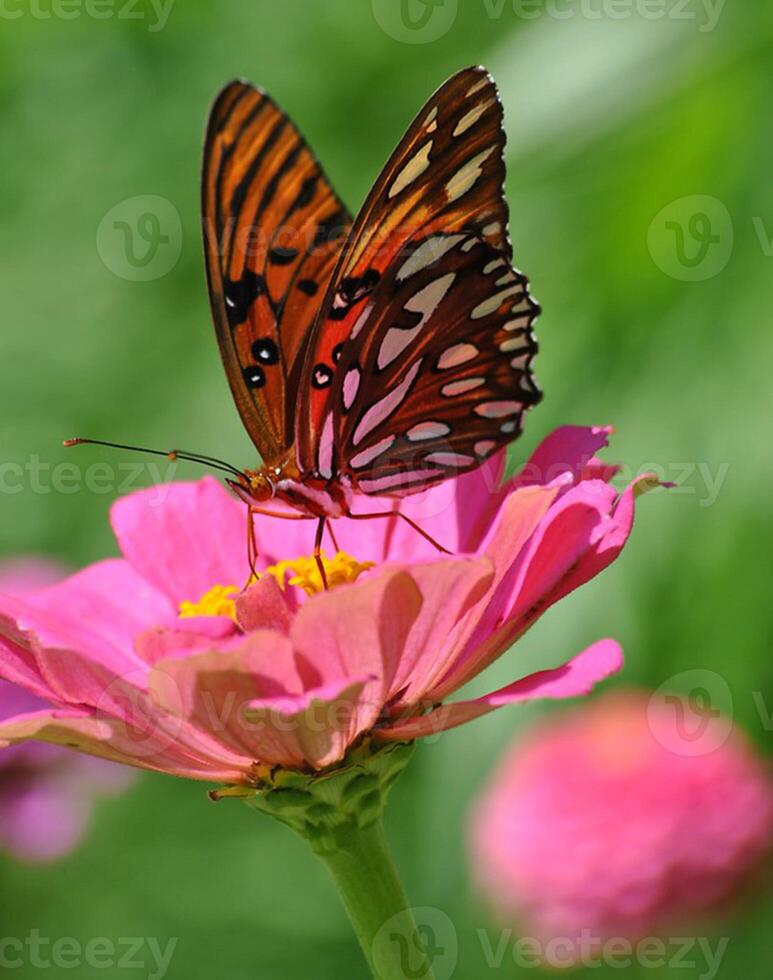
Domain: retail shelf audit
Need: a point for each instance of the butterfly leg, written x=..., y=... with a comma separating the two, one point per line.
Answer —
x=252, y=545
x=413, y=524
x=317, y=550
x=332, y=536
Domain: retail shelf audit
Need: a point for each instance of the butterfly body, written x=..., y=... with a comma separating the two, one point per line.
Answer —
x=379, y=355
x=307, y=494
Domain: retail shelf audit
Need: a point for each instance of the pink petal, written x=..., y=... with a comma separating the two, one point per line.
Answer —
x=358, y=630
x=147, y=748
x=511, y=536
x=158, y=644
x=314, y=728
x=563, y=543
x=97, y=611
x=574, y=678
x=570, y=449
x=184, y=537
x=264, y=605
x=449, y=589
x=211, y=690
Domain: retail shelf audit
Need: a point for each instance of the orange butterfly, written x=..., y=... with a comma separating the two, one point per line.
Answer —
x=380, y=356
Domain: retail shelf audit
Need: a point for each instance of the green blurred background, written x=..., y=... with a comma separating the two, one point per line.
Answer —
x=611, y=119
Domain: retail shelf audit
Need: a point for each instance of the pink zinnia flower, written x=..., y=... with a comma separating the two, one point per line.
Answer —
x=46, y=792
x=157, y=659
x=599, y=825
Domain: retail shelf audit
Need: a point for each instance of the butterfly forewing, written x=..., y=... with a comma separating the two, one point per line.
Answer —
x=445, y=176
x=273, y=230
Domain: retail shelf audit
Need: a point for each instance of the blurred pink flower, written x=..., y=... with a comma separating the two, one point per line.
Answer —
x=598, y=824
x=46, y=792
x=159, y=660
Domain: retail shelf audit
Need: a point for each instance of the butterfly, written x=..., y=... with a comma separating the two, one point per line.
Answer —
x=378, y=355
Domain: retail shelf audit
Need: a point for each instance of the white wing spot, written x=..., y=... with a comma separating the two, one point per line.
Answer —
x=486, y=80
x=360, y=322
x=454, y=356
x=470, y=244
x=427, y=430
x=325, y=451
x=508, y=427
x=429, y=252
x=496, y=410
x=398, y=481
x=520, y=363
x=415, y=167
x=467, y=175
x=509, y=276
x=518, y=324
x=350, y=387
x=494, y=264
x=470, y=118
x=461, y=387
x=493, y=303
x=369, y=454
x=394, y=343
x=484, y=447
x=427, y=300
x=495, y=228
x=383, y=408
x=511, y=344
x=430, y=123
x=449, y=459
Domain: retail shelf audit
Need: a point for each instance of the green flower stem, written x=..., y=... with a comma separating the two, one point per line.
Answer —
x=374, y=898
x=338, y=811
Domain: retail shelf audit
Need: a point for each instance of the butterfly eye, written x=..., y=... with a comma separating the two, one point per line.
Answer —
x=265, y=351
x=321, y=376
x=254, y=376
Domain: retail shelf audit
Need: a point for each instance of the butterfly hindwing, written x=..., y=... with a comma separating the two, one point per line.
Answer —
x=445, y=176
x=273, y=229
x=439, y=374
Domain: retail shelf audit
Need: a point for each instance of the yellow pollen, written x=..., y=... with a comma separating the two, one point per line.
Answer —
x=303, y=572
x=339, y=570
x=216, y=601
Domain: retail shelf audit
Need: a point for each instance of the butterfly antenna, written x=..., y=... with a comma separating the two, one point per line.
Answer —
x=172, y=454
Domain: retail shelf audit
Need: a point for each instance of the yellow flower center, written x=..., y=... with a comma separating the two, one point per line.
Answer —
x=216, y=601
x=339, y=570
x=304, y=573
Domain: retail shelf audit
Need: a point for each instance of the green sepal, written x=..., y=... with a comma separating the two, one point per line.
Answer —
x=325, y=807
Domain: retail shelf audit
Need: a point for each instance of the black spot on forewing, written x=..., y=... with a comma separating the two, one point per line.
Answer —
x=241, y=294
